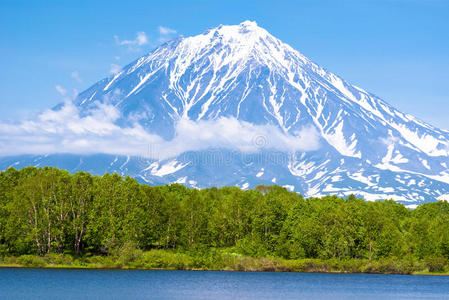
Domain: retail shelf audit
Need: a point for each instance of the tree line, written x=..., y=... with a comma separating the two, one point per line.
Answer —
x=48, y=210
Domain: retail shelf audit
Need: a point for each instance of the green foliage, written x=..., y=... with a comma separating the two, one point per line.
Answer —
x=31, y=261
x=82, y=219
x=58, y=259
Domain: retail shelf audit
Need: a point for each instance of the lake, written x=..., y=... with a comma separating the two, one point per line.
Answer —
x=120, y=284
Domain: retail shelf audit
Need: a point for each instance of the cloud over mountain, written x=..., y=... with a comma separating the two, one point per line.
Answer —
x=66, y=130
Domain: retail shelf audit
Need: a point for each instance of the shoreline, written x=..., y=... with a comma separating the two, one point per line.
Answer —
x=128, y=268
x=225, y=259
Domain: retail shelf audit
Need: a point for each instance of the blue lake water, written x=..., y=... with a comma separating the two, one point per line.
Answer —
x=117, y=284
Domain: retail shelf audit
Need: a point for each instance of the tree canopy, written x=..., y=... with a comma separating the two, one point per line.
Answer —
x=47, y=210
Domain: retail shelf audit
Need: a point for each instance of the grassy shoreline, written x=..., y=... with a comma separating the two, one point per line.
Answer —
x=221, y=260
x=70, y=267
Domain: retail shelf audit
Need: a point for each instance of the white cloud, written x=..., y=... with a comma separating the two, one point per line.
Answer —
x=67, y=131
x=166, y=31
x=390, y=140
x=115, y=69
x=61, y=90
x=231, y=133
x=140, y=40
x=165, y=34
x=75, y=75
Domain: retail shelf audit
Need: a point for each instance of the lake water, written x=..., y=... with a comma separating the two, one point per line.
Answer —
x=117, y=284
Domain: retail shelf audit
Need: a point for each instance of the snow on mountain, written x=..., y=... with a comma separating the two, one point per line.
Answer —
x=243, y=73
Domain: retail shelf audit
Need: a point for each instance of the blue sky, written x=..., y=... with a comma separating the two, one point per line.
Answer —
x=397, y=49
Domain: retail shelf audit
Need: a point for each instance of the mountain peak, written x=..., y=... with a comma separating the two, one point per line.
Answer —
x=250, y=25
x=246, y=25
x=237, y=44
x=247, y=31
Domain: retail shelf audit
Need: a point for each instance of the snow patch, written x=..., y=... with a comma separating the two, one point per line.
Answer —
x=167, y=168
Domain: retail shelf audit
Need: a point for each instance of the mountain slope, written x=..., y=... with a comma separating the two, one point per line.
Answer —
x=243, y=73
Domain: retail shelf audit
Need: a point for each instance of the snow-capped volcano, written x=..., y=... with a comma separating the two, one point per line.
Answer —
x=319, y=134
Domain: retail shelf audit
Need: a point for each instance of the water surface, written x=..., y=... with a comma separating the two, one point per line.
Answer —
x=119, y=284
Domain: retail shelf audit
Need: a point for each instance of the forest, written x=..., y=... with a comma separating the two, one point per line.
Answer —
x=49, y=216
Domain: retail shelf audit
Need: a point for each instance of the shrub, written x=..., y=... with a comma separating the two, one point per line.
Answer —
x=158, y=259
x=435, y=264
x=31, y=261
x=58, y=259
x=128, y=255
